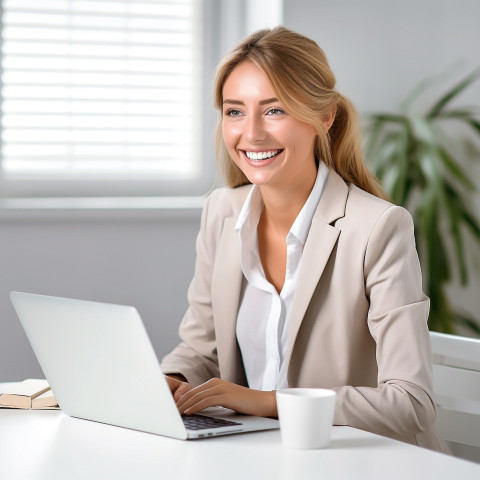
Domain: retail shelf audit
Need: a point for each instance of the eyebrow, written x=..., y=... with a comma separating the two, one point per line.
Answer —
x=262, y=102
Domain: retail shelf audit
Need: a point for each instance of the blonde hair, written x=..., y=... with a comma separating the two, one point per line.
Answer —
x=300, y=75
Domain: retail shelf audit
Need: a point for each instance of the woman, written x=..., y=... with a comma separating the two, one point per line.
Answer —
x=305, y=275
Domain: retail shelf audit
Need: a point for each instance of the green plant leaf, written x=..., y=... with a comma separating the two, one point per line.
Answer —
x=441, y=314
x=424, y=130
x=438, y=269
x=454, y=219
x=386, y=153
x=400, y=183
x=475, y=124
x=451, y=94
x=441, y=317
x=463, y=210
x=388, y=117
x=456, y=114
x=376, y=131
x=471, y=222
x=427, y=158
x=455, y=169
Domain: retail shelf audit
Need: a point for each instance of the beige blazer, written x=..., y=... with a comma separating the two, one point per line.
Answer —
x=359, y=321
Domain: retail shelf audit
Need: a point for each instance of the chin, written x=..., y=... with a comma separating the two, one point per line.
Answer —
x=258, y=179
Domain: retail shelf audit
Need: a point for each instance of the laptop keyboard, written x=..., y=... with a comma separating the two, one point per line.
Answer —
x=201, y=422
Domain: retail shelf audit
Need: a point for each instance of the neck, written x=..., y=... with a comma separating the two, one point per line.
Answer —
x=282, y=206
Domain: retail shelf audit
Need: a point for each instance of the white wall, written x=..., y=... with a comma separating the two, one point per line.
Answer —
x=380, y=50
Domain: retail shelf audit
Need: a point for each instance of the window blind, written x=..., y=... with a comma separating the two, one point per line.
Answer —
x=100, y=88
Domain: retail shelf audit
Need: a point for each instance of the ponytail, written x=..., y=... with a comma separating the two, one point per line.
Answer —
x=346, y=150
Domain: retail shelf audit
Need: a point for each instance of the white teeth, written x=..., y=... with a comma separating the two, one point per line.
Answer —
x=261, y=155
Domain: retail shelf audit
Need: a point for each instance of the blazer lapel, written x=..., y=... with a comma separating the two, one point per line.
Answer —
x=320, y=242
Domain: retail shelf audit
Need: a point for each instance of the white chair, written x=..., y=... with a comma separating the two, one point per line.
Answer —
x=456, y=387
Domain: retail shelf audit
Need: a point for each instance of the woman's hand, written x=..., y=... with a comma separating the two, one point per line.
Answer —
x=177, y=387
x=216, y=392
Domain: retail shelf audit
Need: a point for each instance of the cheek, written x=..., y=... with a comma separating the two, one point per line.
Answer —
x=290, y=133
x=230, y=135
x=303, y=139
x=226, y=133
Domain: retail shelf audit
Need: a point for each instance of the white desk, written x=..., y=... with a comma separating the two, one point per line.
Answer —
x=49, y=445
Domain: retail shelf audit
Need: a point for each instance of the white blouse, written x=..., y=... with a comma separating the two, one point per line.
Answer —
x=263, y=316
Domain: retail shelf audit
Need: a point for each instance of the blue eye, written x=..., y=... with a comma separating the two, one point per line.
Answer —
x=275, y=111
x=233, y=113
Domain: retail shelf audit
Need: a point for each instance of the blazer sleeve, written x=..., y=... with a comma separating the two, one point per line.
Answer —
x=196, y=356
x=402, y=402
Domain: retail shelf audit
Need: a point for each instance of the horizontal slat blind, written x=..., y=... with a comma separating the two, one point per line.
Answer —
x=104, y=88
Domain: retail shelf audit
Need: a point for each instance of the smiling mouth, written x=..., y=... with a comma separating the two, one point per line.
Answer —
x=262, y=155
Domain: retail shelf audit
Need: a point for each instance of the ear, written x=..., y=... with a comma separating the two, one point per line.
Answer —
x=329, y=119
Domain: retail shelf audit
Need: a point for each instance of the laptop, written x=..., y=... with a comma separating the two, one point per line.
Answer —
x=101, y=366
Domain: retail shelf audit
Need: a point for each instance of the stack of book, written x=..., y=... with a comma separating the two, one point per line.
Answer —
x=29, y=394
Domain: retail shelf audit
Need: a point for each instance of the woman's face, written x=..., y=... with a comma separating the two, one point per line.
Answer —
x=269, y=145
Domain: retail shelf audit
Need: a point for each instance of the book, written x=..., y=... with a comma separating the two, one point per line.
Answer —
x=30, y=394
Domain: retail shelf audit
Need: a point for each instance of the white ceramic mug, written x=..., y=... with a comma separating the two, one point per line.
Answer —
x=306, y=416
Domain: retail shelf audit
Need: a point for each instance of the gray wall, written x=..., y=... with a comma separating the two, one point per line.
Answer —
x=138, y=258
x=381, y=49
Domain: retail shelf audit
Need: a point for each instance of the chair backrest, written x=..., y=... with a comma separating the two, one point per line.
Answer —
x=456, y=387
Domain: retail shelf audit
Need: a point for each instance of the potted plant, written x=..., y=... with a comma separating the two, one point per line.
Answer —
x=421, y=165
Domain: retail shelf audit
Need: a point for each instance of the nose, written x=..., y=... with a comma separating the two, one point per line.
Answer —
x=255, y=131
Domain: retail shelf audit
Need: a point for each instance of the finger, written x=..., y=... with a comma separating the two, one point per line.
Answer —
x=181, y=390
x=172, y=383
x=192, y=391
x=211, y=401
x=196, y=394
